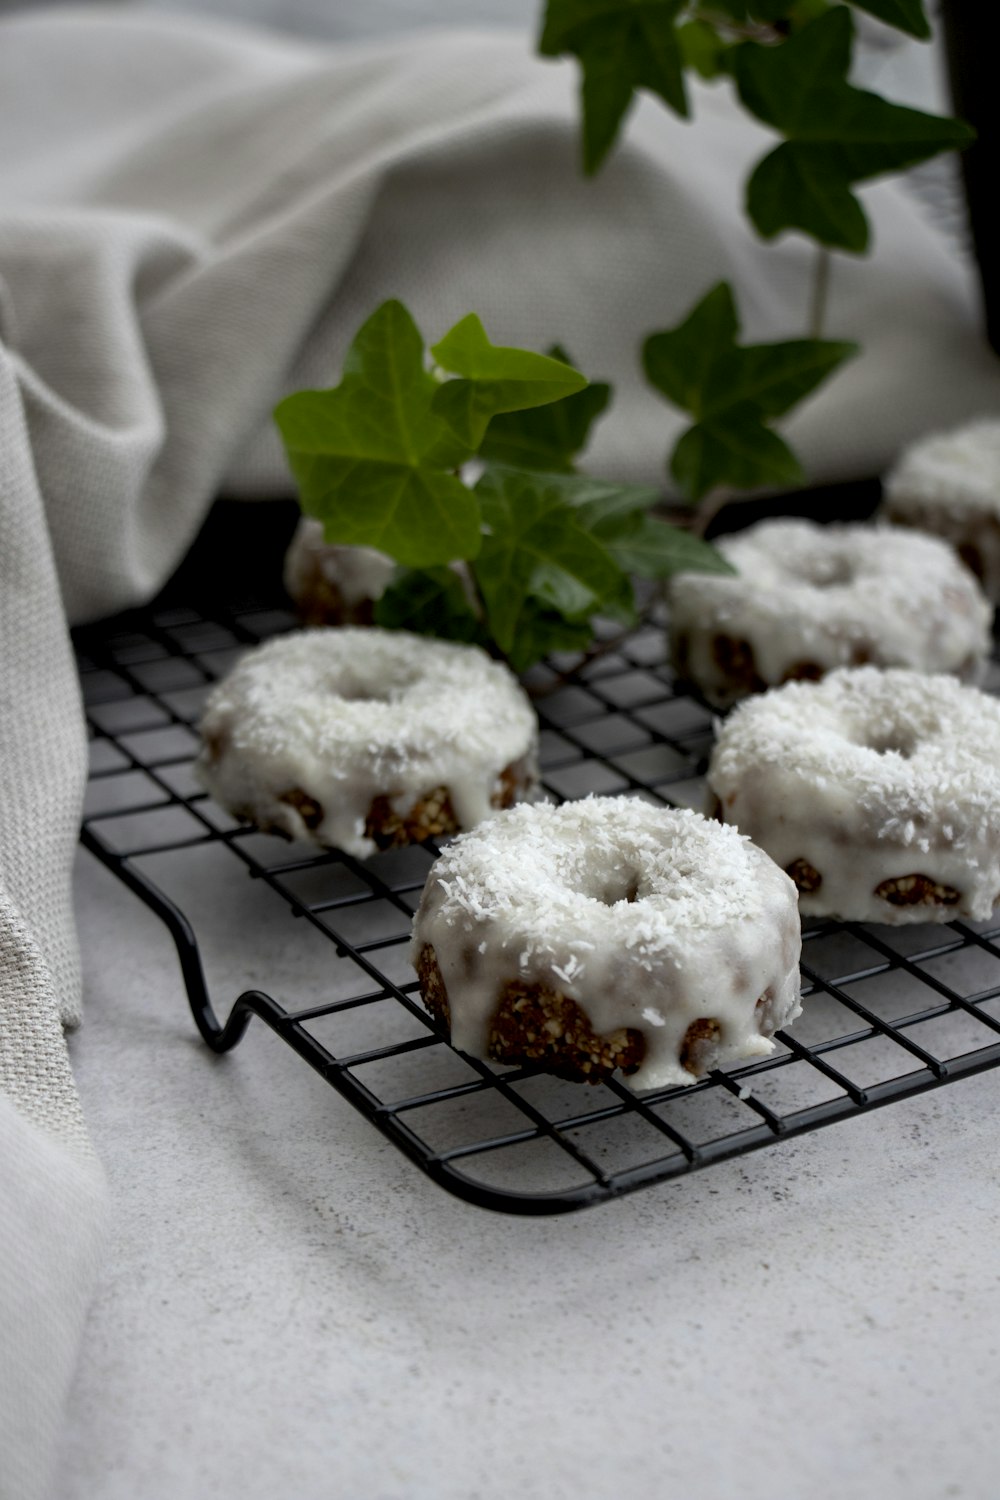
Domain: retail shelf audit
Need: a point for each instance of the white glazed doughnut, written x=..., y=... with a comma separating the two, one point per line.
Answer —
x=809, y=598
x=608, y=933
x=360, y=739
x=949, y=483
x=878, y=792
x=333, y=585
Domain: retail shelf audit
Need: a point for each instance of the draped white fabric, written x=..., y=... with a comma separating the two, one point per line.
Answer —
x=194, y=220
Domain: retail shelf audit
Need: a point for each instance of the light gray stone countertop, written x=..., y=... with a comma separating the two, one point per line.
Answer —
x=290, y=1308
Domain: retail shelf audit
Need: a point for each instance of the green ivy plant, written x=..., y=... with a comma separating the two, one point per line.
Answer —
x=383, y=460
x=459, y=461
x=732, y=392
x=788, y=61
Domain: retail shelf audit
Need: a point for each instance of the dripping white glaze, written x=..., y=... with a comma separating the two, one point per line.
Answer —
x=870, y=776
x=949, y=483
x=647, y=917
x=830, y=596
x=347, y=715
x=355, y=573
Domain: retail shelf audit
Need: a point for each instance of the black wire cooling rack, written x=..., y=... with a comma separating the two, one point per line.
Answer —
x=889, y=1012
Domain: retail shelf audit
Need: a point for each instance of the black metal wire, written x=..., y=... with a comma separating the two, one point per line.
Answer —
x=511, y=1139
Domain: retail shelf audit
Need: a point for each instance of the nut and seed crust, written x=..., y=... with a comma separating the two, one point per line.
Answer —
x=533, y=1024
x=767, y=1021
x=432, y=815
x=700, y=1041
x=806, y=876
x=735, y=658
x=320, y=602
x=432, y=989
x=804, y=671
x=216, y=744
x=307, y=807
x=715, y=811
x=917, y=890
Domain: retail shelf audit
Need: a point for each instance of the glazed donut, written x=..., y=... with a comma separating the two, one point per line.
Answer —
x=359, y=739
x=949, y=483
x=810, y=598
x=608, y=933
x=877, y=791
x=333, y=585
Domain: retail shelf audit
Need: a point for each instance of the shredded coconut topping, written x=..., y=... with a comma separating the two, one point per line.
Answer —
x=949, y=483
x=355, y=574
x=810, y=598
x=347, y=715
x=958, y=470
x=870, y=776
x=649, y=918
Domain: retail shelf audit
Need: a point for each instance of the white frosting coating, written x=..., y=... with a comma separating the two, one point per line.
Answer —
x=355, y=574
x=870, y=776
x=827, y=597
x=542, y=895
x=949, y=483
x=347, y=715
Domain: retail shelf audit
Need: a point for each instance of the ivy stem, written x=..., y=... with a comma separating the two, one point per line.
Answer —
x=761, y=31
x=820, y=292
x=474, y=594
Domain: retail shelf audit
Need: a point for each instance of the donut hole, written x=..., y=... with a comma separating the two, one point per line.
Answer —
x=358, y=692
x=388, y=682
x=622, y=889
x=892, y=742
x=828, y=572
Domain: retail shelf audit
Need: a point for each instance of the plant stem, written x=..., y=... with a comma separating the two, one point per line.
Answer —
x=752, y=31
x=820, y=291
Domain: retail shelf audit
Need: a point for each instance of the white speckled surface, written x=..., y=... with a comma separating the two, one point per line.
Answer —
x=290, y=1308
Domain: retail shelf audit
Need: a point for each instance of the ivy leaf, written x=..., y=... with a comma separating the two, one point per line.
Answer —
x=702, y=48
x=654, y=549
x=740, y=452
x=549, y=437
x=617, y=516
x=622, y=45
x=542, y=631
x=905, y=15
x=837, y=135
x=732, y=392
x=599, y=503
x=432, y=601
x=495, y=379
x=369, y=455
x=537, y=552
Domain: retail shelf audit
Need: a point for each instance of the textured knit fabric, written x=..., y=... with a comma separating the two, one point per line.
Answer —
x=194, y=220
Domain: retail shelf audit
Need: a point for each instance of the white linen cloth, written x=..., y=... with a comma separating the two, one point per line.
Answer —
x=195, y=219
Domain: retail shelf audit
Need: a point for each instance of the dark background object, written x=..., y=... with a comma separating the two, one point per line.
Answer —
x=972, y=43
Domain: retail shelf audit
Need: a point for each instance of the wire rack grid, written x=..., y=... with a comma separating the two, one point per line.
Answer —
x=889, y=1012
